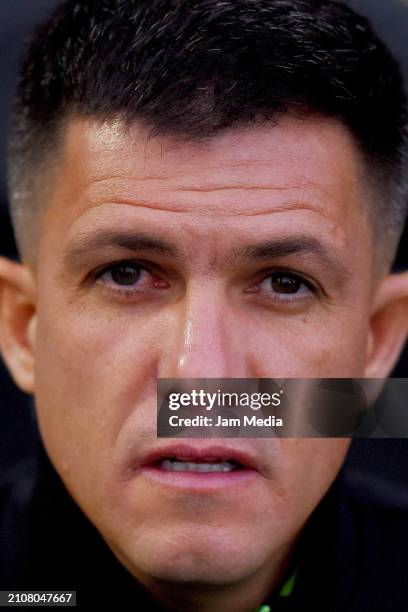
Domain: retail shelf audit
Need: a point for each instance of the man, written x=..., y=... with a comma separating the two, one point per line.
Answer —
x=199, y=189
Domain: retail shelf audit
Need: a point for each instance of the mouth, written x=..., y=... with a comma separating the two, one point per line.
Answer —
x=179, y=465
x=194, y=467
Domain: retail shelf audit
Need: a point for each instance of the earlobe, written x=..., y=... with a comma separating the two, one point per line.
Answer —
x=388, y=326
x=18, y=322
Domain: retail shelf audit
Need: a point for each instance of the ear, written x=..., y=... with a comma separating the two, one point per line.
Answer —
x=18, y=319
x=388, y=326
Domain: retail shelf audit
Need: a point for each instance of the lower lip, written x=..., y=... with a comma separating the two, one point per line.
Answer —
x=199, y=480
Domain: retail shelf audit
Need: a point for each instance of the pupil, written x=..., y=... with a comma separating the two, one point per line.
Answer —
x=285, y=284
x=125, y=274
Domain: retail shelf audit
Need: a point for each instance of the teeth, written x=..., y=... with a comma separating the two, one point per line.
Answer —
x=190, y=466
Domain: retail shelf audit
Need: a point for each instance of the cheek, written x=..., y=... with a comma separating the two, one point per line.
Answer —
x=313, y=463
x=312, y=346
x=311, y=466
x=90, y=374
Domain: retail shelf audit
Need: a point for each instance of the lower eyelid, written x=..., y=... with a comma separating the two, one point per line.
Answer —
x=290, y=297
x=119, y=291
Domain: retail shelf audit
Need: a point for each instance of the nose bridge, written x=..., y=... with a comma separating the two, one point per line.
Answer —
x=203, y=339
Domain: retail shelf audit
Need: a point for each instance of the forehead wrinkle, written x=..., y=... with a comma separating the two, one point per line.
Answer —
x=207, y=184
x=216, y=188
x=121, y=194
x=119, y=187
x=213, y=184
x=154, y=205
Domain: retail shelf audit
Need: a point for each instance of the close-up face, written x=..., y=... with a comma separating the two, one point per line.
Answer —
x=246, y=256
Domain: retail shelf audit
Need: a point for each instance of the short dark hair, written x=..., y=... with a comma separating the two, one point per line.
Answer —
x=195, y=67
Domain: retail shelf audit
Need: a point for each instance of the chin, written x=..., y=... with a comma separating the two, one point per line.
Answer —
x=203, y=557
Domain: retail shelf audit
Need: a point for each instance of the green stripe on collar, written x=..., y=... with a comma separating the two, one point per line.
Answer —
x=285, y=591
x=287, y=588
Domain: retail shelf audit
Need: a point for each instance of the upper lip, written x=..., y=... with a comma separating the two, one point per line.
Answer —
x=187, y=452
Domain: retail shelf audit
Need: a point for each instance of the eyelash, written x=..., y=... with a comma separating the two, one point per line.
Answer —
x=282, y=297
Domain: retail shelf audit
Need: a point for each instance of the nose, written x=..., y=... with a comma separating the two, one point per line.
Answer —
x=207, y=339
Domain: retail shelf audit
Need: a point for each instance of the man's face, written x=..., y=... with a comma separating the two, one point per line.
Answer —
x=220, y=231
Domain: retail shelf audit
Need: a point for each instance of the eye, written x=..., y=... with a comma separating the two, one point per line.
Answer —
x=286, y=286
x=128, y=278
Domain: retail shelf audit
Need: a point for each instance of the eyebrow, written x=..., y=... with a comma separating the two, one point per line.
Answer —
x=292, y=245
x=282, y=247
x=141, y=241
x=132, y=241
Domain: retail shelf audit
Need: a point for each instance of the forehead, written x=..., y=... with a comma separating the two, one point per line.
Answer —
x=315, y=153
x=109, y=172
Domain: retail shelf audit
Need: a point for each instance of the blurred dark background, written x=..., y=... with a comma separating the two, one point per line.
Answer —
x=386, y=458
